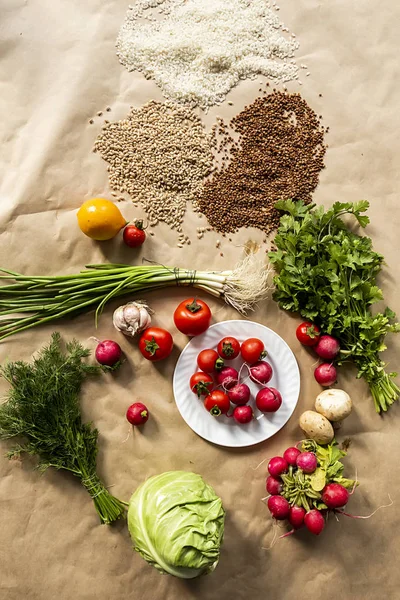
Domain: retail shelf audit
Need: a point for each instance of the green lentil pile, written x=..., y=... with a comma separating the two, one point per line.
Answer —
x=278, y=155
x=159, y=155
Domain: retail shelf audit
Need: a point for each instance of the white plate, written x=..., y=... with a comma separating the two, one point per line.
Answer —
x=222, y=430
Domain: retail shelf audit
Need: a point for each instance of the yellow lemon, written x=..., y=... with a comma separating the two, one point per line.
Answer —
x=100, y=219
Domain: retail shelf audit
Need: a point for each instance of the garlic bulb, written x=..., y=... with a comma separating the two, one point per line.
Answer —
x=132, y=318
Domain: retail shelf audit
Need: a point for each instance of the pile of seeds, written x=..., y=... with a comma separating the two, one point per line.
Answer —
x=278, y=155
x=200, y=49
x=160, y=155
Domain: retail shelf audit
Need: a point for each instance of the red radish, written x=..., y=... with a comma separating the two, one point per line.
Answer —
x=314, y=521
x=243, y=414
x=291, y=454
x=277, y=466
x=325, y=374
x=273, y=485
x=239, y=394
x=261, y=372
x=296, y=516
x=328, y=347
x=335, y=495
x=108, y=353
x=137, y=414
x=307, y=462
x=227, y=377
x=268, y=400
x=279, y=507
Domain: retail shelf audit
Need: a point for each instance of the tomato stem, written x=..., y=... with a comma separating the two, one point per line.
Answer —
x=194, y=306
x=151, y=346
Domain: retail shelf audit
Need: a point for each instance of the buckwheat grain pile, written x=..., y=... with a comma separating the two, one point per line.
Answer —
x=278, y=155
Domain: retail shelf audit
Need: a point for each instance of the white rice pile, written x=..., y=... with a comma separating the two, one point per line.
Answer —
x=200, y=49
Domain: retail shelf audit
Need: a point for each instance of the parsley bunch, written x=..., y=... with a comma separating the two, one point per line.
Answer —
x=327, y=273
x=43, y=410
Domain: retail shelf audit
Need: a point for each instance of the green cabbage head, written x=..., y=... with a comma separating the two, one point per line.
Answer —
x=176, y=522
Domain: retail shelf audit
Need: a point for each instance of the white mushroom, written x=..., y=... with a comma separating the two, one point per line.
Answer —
x=316, y=427
x=333, y=404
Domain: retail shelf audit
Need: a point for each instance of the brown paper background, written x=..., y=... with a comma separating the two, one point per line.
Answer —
x=58, y=68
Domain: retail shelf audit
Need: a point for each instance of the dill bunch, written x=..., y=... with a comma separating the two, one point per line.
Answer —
x=43, y=410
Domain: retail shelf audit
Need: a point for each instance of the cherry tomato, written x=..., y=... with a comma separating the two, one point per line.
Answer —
x=156, y=343
x=228, y=348
x=217, y=403
x=192, y=317
x=201, y=383
x=134, y=234
x=253, y=350
x=308, y=334
x=209, y=361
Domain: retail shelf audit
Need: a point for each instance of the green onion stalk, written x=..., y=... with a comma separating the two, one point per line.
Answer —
x=30, y=300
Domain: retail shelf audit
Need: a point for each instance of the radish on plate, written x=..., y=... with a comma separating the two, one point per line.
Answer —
x=239, y=393
x=243, y=414
x=227, y=377
x=261, y=372
x=268, y=400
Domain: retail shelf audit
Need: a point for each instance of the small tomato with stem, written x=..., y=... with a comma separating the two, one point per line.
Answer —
x=209, y=361
x=156, y=343
x=308, y=334
x=228, y=348
x=201, y=383
x=134, y=234
x=253, y=350
x=217, y=403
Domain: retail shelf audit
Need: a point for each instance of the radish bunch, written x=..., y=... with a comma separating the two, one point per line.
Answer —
x=305, y=484
x=220, y=377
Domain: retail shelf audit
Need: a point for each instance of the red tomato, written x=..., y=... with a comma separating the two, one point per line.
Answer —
x=217, y=403
x=201, y=383
x=192, y=317
x=228, y=348
x=308, y=334
x=253, y=350
x=209, y=361
x=134, y=234
x=156, y=343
